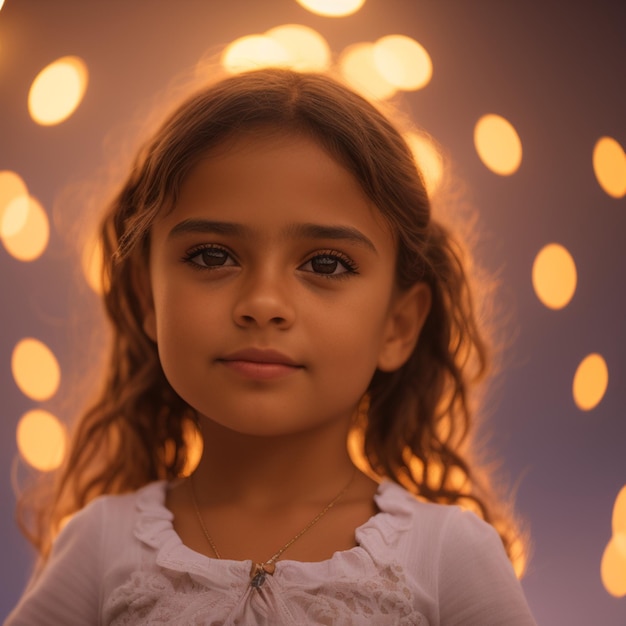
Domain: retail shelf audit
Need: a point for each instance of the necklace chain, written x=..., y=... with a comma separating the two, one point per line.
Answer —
x=260, y=570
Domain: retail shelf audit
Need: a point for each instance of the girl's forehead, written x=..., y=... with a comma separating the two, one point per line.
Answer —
x=268, y=177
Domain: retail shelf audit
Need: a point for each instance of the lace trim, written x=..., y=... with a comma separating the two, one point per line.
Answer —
x=169, y=597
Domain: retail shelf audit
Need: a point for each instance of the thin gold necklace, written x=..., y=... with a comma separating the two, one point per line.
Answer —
x=259, y=571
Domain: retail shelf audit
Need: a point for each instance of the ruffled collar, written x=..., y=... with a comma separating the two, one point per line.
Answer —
x=375, y=539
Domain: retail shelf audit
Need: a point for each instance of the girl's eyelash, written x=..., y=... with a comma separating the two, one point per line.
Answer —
x=350, y=266
x=196, y=250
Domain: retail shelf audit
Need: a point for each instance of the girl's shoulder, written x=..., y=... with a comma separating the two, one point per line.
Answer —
x=453, y=551
x=92, y=553
x=412, y=526
x=111, y=517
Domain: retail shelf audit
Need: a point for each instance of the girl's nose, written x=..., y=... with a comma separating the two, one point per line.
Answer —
x=264, y=300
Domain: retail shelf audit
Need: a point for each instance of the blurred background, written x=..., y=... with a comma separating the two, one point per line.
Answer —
x=525, y=103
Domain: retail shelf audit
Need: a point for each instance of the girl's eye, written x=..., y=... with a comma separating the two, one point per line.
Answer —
x=330, y=264
x=209, y=257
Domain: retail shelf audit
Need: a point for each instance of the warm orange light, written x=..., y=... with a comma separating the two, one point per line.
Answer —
x=359, y=70
x=332, y=8
x=64, y=521
x=613, y=566
x=498, y=145
x=41, y=440
x=519, y=557
x=254, y=52
x=92, y=266
x=195, y=446
x=308, y=51
x=428, y=159
x=24, y=229
x=12, y=188
x=619, y=512
x=35, y=369
x=590, y=382
x=403, y=62
x=355, y=449
x=14, y=217
x=554, y=276
x=57, y=90
x=609, y=165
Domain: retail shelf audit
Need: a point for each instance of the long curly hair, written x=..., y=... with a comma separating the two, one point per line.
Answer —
x=416, y=424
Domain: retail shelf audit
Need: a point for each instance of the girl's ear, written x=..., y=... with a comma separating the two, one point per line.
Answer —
x=143, y=289
x=404, y=324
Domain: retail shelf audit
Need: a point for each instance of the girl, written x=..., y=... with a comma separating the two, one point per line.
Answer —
x=275, y=278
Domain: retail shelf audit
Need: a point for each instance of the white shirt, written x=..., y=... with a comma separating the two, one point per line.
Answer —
x=120, y=561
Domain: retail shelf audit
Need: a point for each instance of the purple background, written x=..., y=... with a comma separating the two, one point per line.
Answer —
x=554, y=69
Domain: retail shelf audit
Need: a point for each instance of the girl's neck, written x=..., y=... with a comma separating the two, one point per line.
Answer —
x=268, y=472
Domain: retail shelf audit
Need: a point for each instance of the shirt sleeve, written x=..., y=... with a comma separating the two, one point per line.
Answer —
x=477, y=584
x=67, y=590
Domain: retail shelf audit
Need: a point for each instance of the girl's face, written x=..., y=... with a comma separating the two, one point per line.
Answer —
x=273, y=294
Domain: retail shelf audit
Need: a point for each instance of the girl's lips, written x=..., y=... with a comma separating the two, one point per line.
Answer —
x=260, y=355
x=260, y=371
x=262, y=364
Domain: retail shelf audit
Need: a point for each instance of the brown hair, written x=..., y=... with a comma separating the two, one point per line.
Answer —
x=416, y=428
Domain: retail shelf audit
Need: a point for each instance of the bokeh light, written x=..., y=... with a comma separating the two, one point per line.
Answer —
x=428, y=158
x=618, y=521
x=25, y=229
x=307, y=50
x=403, y=62
x=12, y=188
x=35, y=369
x=91, y=262
x=554, y=276
x=359, y=70
x=57, y=90
x=332, y=8
x=14, y=217
x=498, y=145
x=609, y=166
x=613, y=566
x=41, y=440
x=590, y=382
x=254, y=52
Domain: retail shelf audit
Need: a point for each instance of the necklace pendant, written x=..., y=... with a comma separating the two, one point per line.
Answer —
x=258, y=579
x=257, y=575
x=259, y=572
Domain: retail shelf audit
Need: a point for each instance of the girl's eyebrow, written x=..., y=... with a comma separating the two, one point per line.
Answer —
x=323, y=231
x=207, y=226
x=306, y=231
